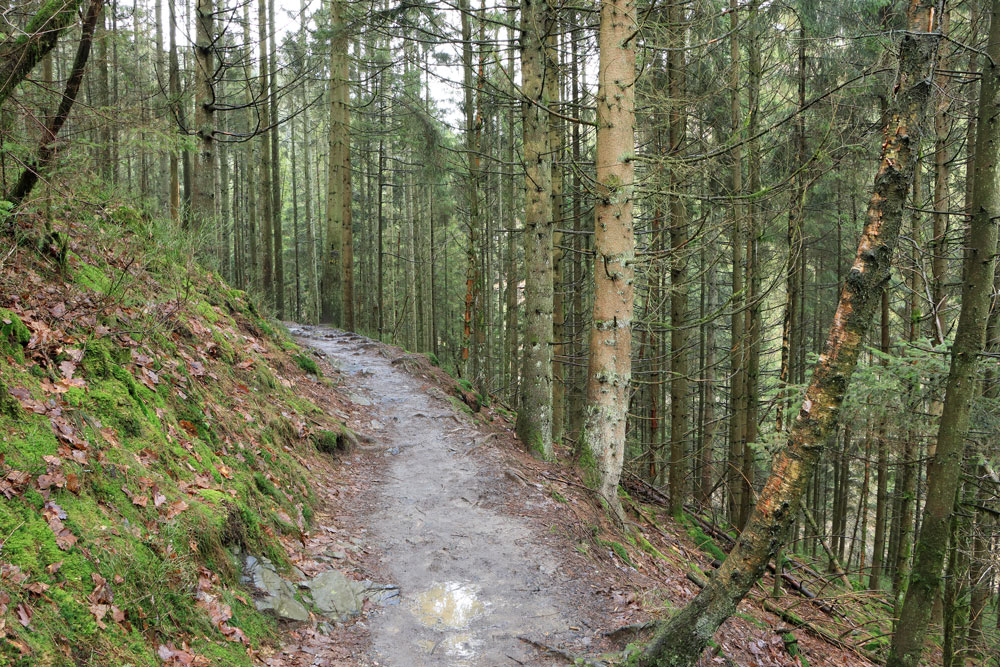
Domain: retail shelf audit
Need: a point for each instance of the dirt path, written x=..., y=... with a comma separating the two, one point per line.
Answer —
x=473, y=578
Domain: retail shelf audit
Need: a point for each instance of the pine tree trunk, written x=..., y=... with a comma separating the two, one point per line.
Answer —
x=752, y=329
x=681, y=640
x=276, y=209
x=334, y=262
x=203, y=193
x=534, y=418
x=177, y=110
x=266, y=172
x=796, y=210
x=512, y=276
x=610, y=368
x=553, y=71
x=882, y=472
x=311, y=312
x=470, y=349
x=679, y=425
x=944, y=468
x=734, y=479
x=939, y=242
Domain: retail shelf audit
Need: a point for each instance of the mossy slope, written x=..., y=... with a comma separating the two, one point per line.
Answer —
x=148, y=427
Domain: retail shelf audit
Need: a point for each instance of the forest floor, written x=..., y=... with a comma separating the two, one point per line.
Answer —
x=494, y=564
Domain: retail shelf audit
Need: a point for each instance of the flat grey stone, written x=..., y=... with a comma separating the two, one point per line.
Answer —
x=336, y=596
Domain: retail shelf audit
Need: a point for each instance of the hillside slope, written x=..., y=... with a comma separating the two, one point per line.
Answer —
x=148, y=431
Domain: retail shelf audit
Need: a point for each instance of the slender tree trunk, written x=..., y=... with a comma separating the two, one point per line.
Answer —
x=470, y=349
x=510, y=225
x=882, y=472
x=178, y=112
x=734, y=478
x=160, y=70
x=333, y=259
x=939, y=242
x=345, y=190
x=944, y=468
x=46, y=149
x=577, y=386
x=311, y=311
x=752, y=329
x=681, y=640
x=796, y=209
x=907, y=476
x=708, y=408
x=295, y=224
x=679, y=423
x=610, y=368
x=266, y=172
x=553, y=70
x=276, y=208
x=203, y=193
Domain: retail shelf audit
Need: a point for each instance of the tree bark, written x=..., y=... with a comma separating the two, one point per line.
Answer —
x=610, y=369
x=178, y=111
x=681, y=640
x=471, y=352
x=944, y=468
x=679, y=423
x=40, y=35
x=334, y=308
x=266, y=172
x=203, y=192
x=510, y=223
x=46, y=149
x=737, y=413
x=276, y=208
x=534, y=418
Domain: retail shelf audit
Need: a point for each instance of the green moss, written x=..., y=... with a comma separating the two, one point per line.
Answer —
x=558, y=497
x=752, y=620
x=792, y=646
x=307, y=364
x=588, y=465
x=265, y=486
x=206, y=312
x=14, y=336
x=257, y=627
x=27, y=441
x=701, y=540
x=618, y=549
x=621, y=553
x=646, y=546
x=78, y=618
x=92, y=278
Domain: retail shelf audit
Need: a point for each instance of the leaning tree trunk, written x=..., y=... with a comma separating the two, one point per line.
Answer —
x=19, y=56
x=681, y=640
x=944, y=468
x=610, y=369
x=46, y=149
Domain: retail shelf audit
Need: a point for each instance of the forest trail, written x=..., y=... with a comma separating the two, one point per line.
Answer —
x=472, y=578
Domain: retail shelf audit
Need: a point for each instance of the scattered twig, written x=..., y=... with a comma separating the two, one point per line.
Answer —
x=568, y=657
x=631, y=627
